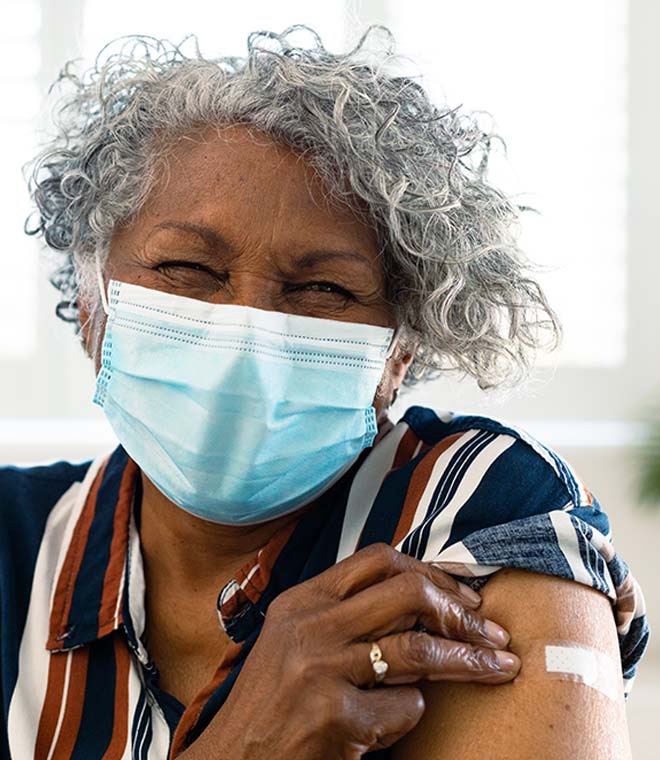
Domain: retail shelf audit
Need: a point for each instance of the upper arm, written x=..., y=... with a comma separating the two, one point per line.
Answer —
x=531, y=716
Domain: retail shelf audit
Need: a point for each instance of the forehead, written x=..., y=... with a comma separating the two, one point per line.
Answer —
x=240, y=176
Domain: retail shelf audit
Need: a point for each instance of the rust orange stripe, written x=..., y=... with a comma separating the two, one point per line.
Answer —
x=75, y=699
x=405, y=449
x=266, y=558
x=194, y=709
x=50, y=710
x=418, y=482
x=118, y=548
x=69, y=572
x=120, y=725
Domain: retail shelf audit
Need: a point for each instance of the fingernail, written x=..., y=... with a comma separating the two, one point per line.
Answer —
x=508, y=660
x=496, y=634
x=469, y=594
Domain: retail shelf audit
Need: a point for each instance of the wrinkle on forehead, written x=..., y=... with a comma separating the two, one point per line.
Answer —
x=183, y=152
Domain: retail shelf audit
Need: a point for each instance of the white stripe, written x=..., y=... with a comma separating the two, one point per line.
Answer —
x=365, y=487
x=248, y=577
x=60, y=717
x=470, y=480
x=459, y=553
x=582, y=493
x=135, y=688
x=441, y=464
x=142, y=729
x=160, y=733
x=569, y=546
x=120, y=594
x=34, y=659
x=136, y=587
x=235, y=587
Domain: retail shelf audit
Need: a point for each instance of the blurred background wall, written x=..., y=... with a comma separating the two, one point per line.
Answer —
x=574, y=91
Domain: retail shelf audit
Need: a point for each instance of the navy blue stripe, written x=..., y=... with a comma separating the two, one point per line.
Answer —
x=415, y=538
x=137, y=717
x=567, y=478
x=146, y=735
x=592, y=515
x=633, y=645
x=458, y=467
x=428, y=426
x=88, y=590
x=618, y=570
x=427, y=526
x=416, y=543
x=383, y=518
x=137, y=727
x=517, y=484
x=94, y=735
x=27, y=497
x=584, y=548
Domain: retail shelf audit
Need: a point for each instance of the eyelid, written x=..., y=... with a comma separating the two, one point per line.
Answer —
x=197, y=266
x=187, y=265
x=339, y=288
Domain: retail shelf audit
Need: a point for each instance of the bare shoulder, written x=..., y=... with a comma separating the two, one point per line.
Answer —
x=531, y=716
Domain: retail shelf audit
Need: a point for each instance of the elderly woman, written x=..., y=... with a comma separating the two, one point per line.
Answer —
x=259, y=253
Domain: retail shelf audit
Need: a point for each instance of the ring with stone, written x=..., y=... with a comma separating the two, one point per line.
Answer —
x=377, y=662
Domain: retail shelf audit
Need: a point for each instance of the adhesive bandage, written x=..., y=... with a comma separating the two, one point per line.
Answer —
x=568, y=661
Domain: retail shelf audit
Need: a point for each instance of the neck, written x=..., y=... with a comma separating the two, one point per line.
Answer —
x=186, y=549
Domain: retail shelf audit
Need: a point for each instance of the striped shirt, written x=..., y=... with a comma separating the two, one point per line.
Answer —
x=77, y=681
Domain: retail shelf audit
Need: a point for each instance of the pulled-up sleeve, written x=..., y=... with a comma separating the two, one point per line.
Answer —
x=504, y=500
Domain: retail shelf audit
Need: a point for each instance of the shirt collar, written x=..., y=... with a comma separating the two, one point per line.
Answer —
x=87, y=600
x=100, y=586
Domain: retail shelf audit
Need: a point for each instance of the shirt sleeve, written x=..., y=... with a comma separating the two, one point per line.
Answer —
x=528, y=509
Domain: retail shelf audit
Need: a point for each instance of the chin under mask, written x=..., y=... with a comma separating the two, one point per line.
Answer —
x=238, y=415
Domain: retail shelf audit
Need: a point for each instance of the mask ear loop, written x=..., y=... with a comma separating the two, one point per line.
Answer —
x=393, y=343
x=99, y=277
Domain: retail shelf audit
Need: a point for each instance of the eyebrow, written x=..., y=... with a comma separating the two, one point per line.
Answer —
x=210, y=236
x=308, y=260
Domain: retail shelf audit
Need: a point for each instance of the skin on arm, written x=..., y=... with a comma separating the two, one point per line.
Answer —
x=531, y=716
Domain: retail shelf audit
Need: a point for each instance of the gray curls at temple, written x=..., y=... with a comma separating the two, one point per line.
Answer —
x=459, y=284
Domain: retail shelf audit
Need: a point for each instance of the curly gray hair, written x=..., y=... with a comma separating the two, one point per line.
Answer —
x=458, y=282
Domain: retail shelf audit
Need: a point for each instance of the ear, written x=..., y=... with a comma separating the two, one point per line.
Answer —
x=91, y=325
x=399, y=364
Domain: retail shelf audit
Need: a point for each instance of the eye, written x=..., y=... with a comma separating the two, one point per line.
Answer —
x=327, y=287
x=193, y=265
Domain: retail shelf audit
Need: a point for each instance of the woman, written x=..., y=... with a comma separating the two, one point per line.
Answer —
x=259, y=254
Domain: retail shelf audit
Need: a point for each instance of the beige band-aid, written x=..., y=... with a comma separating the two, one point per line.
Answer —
x=569, y=661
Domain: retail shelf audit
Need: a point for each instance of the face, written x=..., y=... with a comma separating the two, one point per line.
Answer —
x=240, y=219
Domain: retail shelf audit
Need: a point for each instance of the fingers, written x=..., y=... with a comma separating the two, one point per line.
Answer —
x=404, y=600
x=379, y=718
x=414, y=655
x=378, y=562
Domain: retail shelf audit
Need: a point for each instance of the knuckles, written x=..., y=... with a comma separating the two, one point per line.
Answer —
x=416, y=586
x=473, y=625
x=419, y=649
x=478, y=658
x=284, y=605
x=383, y=556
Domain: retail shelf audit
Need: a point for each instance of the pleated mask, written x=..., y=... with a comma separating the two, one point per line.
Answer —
x=238, y=415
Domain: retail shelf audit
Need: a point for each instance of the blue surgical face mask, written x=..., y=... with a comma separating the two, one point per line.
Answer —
x=238, y=415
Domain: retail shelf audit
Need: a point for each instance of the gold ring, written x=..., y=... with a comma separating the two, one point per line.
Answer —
x=377, y=662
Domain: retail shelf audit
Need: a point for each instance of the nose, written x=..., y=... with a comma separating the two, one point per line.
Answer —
x=258, y=290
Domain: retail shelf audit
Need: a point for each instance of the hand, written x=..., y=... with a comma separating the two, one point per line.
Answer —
x=304, y=690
